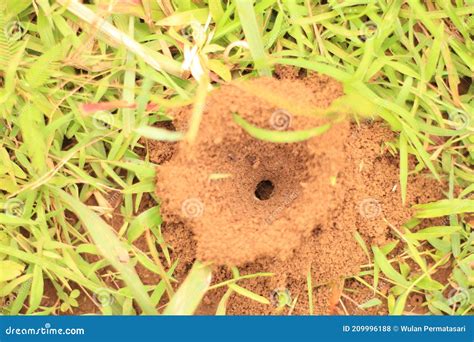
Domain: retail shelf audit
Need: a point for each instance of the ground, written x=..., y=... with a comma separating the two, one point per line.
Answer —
x=210, y=157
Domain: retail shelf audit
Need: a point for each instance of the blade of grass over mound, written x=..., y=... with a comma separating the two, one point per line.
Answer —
x=251, y=29
x=279, y=136
x=111, y=248
x=198, y=109
x=159, y=134
x=186, y=300
x=323, y=68
x=353, y=102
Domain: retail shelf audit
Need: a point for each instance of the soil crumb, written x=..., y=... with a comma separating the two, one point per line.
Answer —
x=285, y=208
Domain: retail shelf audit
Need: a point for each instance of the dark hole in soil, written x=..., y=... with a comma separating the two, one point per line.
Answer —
x=302, y=73
x=264, y=190
x=316, y=230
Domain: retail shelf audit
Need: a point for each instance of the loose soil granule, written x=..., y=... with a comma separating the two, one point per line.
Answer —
x=283, y=208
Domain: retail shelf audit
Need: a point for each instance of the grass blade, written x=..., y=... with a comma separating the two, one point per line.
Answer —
x=249, y=294
x=253, y=36
x=278, y=136
x=387, y=268
x=111, y=249
x=189, y=295
x=444, y=208
x=433, y=232
x=153, y=58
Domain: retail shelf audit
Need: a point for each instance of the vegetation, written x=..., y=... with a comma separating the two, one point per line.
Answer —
x=82, y=83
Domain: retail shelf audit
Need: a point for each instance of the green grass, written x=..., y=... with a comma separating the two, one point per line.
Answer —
x=401, y=59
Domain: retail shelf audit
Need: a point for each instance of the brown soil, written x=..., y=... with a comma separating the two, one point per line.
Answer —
x=283, y=208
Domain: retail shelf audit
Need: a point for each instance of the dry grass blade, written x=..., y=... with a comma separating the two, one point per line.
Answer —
x=154, y=59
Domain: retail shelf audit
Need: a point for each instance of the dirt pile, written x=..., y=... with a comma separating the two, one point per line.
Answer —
x=245, y=198
x=283, y=208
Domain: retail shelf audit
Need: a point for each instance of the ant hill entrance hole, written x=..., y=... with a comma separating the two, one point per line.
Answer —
x=264, y=190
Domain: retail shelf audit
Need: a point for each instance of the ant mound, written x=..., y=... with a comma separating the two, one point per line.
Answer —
x=243, y=197
x=293, y=205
